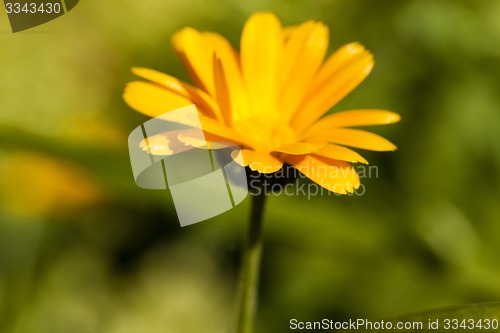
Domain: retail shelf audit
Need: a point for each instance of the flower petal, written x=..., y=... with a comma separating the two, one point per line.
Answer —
x=357, y=139
x=152, y=99
x=198, y=97
x=258, y=161
x=221, y=131
x=336, y=176
x=353, y=118
x=299, y=148
x=221, y=91
x=305, y=50
x=261, y=54
x=230, y=60
x=196, y=56
x=340, y=153
x=341, y=73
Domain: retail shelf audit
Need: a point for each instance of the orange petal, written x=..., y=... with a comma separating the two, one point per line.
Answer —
x=342, y=72
x=357, y=139
x=151, y=99
x=222, y=91
x=221, y=131
x=305, y=50
x=196, y=57
x=258, y=161
x=198, y=97
x=238, y=96
x=353, y=118
x=299, y=148
x=261, y=55
x=336, y=176
x=340, y=153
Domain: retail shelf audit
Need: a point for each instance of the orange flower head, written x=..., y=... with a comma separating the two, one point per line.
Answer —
x=270, y=98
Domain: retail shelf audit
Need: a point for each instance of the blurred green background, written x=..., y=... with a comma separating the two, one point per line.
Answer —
x=83, y=249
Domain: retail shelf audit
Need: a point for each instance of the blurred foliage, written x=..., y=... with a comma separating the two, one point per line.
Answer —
x=82, y=249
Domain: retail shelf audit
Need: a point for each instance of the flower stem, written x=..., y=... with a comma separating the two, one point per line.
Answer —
x=250, y=267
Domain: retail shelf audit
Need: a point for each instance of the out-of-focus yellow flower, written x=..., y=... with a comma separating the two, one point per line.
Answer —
x=36, y=184
x=270, y=97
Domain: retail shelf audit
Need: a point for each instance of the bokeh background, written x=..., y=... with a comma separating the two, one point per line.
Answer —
x=82, y=249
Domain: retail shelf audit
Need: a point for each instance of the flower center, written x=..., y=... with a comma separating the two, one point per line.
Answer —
x=265, y=135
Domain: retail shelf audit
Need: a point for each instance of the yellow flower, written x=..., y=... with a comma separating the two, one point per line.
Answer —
x=270, y=97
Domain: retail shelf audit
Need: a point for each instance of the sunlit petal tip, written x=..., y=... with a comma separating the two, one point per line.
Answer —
x=260, y=20
x=353, y=48
x=262, y=16
x=136, y=70
x=392, y=118
x=357, y=139
x=323, y=30
x=177, y=40
x=180, y=36
x=152, y=75
x=370, y=61
x=369, y=68
x=351, y=118
x=389, y=146
x=340, y=74
x=158, y=77
x=317, y=28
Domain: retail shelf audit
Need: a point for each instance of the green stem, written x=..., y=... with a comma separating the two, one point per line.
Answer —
x=250, y=267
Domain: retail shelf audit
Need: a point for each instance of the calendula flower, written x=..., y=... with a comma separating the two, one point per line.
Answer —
x=270, y=97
